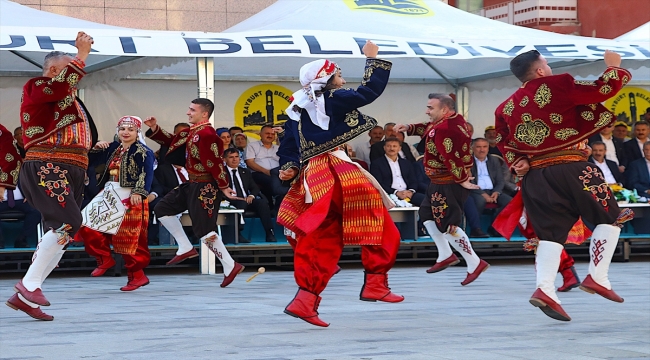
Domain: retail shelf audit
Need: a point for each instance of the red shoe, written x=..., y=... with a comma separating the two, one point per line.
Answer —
x=233, y=274
x=136, y=280
x=375, y=287
x=305, y=306
x=571, y=279
x=482, y=266
x=35, y=296
x=439, y=266
x=590, y=286
x=182, y=257
x=102, y=267
x=15, y=303
x=548, y=306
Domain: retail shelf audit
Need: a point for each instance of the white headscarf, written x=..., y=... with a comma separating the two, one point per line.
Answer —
x=131, y=120
x=313, y=77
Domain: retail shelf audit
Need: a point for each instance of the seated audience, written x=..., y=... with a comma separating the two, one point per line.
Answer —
x=638, y=173
x=491, y=136
x=225, y=136
x=235, y=130
x=488, y=176
x=262, y=159
x=241, y=142
x=18, y=136
x=510, y=185
x=634, y=147
x=16, y=202
x=241, y=181
x=621, y=132
x=396, y=175
x=363, y=150
x=608, y=167
x=402, y=137
x=614, y=146
x=377, y=149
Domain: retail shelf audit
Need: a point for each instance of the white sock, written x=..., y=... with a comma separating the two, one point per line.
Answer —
x=461, y=243
x=547, y=263
x=174, y=226
x=47, y=251
x=601, y=249
x=219, y=249
x=52, y=265
x=444, y=251
x=31, y=304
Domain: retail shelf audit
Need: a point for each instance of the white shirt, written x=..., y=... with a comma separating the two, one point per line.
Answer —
x=363, y=152
x=609, y=177
x=647, y=163
x=238, y=179
x=640, y=143
x=183, y=171
x=264, y=157
x=483, y=176
x=17, y=194
x=610, y=149
x=398, y=181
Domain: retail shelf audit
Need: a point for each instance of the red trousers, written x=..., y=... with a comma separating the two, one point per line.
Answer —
x=97, y=245
x=566, y=261
x=316, y=254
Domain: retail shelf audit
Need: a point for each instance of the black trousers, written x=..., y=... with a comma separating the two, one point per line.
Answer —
x=56, y=191
x=444, y=205
x=556, y=196
x=200, y=199
x=261, y=207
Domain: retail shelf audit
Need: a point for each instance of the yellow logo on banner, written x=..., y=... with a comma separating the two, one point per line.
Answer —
x=398, y=7
x=262, y=105
x=630, y=104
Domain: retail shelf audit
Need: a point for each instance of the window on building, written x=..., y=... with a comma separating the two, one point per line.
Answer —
x=470, y=5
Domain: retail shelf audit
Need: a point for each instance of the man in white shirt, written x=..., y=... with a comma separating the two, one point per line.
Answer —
x=396, y=175
x=615, y=151
x=608, y=167
x=362, y=151
x=262, y=159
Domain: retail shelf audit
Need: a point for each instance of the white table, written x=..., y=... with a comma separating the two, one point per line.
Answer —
x=409, y=217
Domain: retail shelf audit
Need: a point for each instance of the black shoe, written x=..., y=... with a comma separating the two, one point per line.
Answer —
x=478, y=233
x=270, y=237
x=243, y=240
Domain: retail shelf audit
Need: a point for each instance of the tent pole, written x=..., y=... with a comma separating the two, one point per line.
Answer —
x=40, y=66
x=429, y=64
x=205, y=77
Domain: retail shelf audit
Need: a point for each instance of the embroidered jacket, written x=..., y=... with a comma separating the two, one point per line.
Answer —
x=553, y=113
x=10, y=160
x=136, y=166
x=199, y=149
x=303, y=140
x=447, y=158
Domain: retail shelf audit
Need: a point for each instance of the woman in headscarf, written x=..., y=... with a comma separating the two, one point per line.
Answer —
x=119, y=214
x=334, y=202
x=225, y=136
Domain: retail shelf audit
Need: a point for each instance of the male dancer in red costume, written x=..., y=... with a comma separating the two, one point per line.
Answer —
x=334, y=202
x=199, y=149
x=57, y=137
x=542, y=130
x=448, y=164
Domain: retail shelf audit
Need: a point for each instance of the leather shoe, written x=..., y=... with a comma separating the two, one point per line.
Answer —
x=482, y=266
x=478, y=233
x=15, y=303
x=590, y=286
x=439, y=266
x=35, y=296
x=243, y=240
x=548, y=306
x=235, y=271
x=182, y=257
x=136, y=280
x=101, y=269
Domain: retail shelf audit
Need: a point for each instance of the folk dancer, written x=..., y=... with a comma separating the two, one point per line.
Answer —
x=119, y=215
x=334, y=202
x=57, y=139
x=542, y=130
x=448, y=163
x=200, y=150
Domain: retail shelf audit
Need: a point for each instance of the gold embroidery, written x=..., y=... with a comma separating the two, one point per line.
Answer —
x=612, y=74
x=524, y=101
x=626, y=79
x=508, y=107
x=67, y=101
x=352, y=118
x=9, y=157
x=194, y=151
x=73, y=79
x=3, y=176
x=584, y=82
x=210, y=164
x=510, y=156
x=309, y=149
x=25, y=117
x=61, y=76
x=457, y=154
x=499, y=138
x=33, y=130
x=66, y=120
x=419, y=131
x=542, y=96
x=457, y=171
x=47, y=91
x=604, y=119
x=463, y=130
x=39, y=82
x=605, y=89
x=199, y=167
x=587, y=115
x=448, y=145
x=556, y=118
x=431, y=148
x=593, y=106
x=56, y=115
x=435, y=164
x=466, y=159
x=214, y=148
x=532, y=132
x=564, y=134
x=465, y=147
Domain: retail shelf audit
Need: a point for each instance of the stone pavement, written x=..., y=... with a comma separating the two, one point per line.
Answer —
x=188, y=316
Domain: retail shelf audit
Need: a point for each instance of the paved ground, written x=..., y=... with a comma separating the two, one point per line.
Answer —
x=187, y=316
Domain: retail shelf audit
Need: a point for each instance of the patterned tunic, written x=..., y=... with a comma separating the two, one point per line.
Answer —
x=10, y=160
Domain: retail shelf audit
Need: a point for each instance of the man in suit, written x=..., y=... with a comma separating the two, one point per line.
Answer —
x=634, y=147
x=248, y=193
x=608, y=167
x=15, y=201
x=166, y=178
x=396, y=175
x=638, y=172
x=614, y=146
x=488, y=176
x=377, y=149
